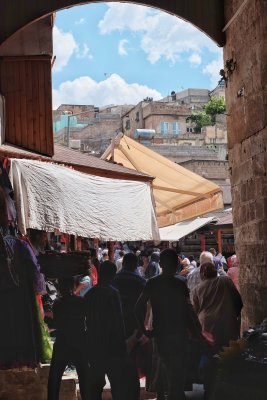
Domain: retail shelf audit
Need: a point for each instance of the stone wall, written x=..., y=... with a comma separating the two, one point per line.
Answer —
x=97, y=136
x=178, y=153
x=246, y=98
x=210, y=169
x=215, y=171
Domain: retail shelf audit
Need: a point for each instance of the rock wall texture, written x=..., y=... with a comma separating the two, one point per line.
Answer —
x=31, y=384
x=246, y=98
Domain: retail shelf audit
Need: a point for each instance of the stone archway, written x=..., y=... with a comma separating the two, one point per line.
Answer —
x=207, y=15
x=245, y=55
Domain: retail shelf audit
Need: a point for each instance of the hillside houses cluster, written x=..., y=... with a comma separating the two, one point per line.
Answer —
x=160, y=125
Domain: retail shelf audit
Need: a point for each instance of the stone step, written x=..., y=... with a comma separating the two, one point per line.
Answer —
x=31, y=384
x=107, y=395
x=196, y=394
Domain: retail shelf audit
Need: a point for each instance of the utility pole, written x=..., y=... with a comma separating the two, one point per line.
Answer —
x=68, y=131
x=68, y=127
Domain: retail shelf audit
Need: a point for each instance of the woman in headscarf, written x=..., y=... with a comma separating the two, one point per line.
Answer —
x=218, y=305
x=20, y=333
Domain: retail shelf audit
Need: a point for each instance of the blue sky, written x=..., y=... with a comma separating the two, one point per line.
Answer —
x=119, y=53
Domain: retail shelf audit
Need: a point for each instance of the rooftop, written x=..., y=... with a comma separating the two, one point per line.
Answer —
x=79, y=161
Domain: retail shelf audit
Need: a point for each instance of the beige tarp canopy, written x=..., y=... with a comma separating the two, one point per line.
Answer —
x=179, y=193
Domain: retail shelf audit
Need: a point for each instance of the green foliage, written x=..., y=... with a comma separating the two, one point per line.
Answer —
x=216, y=105
x=199, y=119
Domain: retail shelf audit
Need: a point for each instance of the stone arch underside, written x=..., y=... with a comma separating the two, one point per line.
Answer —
x=207, y=15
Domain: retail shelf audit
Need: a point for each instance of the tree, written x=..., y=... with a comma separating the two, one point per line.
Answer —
x=199, y=119
x=216, y=105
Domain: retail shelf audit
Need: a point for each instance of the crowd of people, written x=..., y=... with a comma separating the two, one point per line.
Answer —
x=150, y=313
x=154, y=314
x=147, y=313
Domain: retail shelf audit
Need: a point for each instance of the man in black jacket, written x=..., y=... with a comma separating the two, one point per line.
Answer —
x=130, y=284
x=69, y=320
x=106, y=345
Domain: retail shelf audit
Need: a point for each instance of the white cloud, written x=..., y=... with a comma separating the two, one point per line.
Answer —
x=121, y=47
x=120, y=16
x=113, y=90
x=213, y=71
x=162, y=34
x=83, y=52
x=195, y=60
x=64, y=47
x=81, y=21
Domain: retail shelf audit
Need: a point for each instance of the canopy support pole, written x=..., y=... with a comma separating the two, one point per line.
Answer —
x=130, y=159
x=175, y=190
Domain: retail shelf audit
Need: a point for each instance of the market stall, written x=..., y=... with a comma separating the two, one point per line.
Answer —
x=172, y=233
x=52, y=197
x=179, y=193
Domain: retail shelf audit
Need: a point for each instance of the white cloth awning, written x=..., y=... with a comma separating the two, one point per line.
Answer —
x=50, y=197
x=175, y=232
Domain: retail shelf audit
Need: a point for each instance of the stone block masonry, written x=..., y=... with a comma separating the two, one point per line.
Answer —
x=31, y=384
x=248, y=166
x=246, y=100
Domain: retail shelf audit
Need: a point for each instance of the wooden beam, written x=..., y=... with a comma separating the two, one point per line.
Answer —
x=202, y=241
x=110, y=246
x=112, y=146
x=106, y=153
x=219, y=240
x=175, y=190
x=195, y=200
x=133, y=162
x=109, y=149
x=163, y=204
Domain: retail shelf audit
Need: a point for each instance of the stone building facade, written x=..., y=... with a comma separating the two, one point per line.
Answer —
x=93, y=127
x=94, y=134
x=195, y=99
x=216, y=171
x=167, y=119
x=179, y=153
x=215, y=135
x=156, y=122
x=82, y=110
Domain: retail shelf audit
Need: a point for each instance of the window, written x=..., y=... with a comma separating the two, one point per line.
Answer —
x=164, y=128
x=127, y=124
x=190, y=130
x=137, y=116
x=176, y=129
